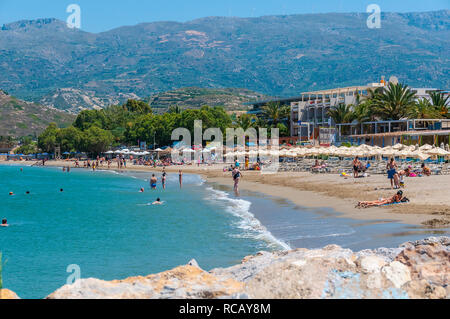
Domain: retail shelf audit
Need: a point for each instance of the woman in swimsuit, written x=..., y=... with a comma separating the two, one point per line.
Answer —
x=236, y=177
x=163, y=180
x=383, y=201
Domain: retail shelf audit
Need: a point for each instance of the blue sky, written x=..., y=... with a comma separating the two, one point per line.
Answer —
x=102, y=15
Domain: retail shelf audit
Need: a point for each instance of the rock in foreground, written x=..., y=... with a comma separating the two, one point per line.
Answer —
x=418, y=269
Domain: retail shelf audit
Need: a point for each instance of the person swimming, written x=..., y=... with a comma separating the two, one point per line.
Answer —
x=27, y=192
x=61, y=190
x=4, y=223
x=141, y=190
x=11, y=193
x=157, y=202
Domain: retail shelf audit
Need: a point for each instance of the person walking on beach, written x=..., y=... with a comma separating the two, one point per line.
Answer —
x=236, y=173
x=392, y=173
x=180, y=178
x=153, y=181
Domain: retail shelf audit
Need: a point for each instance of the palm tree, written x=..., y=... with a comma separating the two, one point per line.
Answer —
x=423, y=109
x=273, y=112
x=246, y=121
x=175, y=109
x=341, y=113
x=440, y=103
x=394, y=102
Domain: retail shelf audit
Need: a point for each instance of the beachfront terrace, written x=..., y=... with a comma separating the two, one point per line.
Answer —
x=385, y=133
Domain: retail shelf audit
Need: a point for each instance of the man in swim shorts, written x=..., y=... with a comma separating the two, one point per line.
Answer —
x=153, y=181
x=392, y=173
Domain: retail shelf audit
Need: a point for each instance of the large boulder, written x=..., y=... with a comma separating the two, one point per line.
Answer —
x=417, y=269
x=8, y=294
x=181, y=282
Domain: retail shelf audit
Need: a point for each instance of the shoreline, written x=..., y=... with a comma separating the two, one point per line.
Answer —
x=312, y=191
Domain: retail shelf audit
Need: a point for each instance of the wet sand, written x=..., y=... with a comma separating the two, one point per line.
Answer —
x=429, y=196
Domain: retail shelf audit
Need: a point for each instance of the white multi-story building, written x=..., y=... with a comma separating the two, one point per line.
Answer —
x=311, y=111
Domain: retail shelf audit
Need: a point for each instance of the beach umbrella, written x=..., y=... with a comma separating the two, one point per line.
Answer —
x=437, y=152
x=425, y=147
x=109, y=152
x=398, y=146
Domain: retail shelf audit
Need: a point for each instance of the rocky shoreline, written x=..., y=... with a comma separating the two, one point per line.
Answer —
x=419, y=269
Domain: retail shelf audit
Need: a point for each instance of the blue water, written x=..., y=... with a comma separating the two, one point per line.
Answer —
x=102, y=223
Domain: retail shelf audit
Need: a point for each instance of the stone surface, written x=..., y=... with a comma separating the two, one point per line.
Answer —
x=8, y=294
x=418, y=269
x=181, y=282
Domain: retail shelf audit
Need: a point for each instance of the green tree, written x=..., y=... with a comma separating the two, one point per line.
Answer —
x=70, y=139
x=48, y=139
x=441, y=103
x=136, y=106
x=423, y=109
x=96, y=140
x=394, y=102
x=246, y=121
x=341, y=113
x=273, y=112
x=89, y=118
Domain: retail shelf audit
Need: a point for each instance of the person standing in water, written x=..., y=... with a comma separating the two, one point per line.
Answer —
x=153, y=181
x=236, y=173
x=163, y=179
x=180, y=178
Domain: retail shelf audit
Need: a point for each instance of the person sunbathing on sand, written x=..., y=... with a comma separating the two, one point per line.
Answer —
x=383, y=201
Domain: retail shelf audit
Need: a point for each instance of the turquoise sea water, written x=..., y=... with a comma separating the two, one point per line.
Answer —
x=102, y=223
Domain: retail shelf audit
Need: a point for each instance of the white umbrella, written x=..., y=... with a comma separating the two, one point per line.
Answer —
x=425, y=147
x=109, y=152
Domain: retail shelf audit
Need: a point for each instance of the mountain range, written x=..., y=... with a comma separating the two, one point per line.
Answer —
x=45, y=61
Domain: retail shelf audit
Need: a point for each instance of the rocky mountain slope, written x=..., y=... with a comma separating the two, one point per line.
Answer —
x=274, y=55
x=231, y=99
x=20, y=118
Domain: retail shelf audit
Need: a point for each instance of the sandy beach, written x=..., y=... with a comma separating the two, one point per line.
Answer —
x=429, y=196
